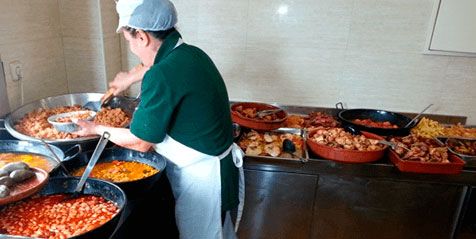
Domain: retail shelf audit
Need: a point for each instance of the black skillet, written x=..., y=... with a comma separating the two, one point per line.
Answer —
x=133, y=189
x=348, y=116
x=107, y=190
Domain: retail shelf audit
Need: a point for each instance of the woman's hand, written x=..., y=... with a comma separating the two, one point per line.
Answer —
x=87, y=127
x=123, y=80
x=120, y=83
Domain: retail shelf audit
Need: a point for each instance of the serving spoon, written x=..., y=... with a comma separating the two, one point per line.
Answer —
x=98, y=105
x=263, y=113
x=418, y=115
x=94, y=158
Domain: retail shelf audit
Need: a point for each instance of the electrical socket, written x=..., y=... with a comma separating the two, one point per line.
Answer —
x=16, y=70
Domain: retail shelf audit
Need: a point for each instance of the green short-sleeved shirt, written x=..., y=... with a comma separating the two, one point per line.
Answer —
x=183, y=95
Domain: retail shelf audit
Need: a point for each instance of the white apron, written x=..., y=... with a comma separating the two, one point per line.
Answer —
x=196, y=184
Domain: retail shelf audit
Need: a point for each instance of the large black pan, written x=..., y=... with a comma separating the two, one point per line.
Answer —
x=96, y=187
x=30, y=147
x=347, y=117
x=132, y=189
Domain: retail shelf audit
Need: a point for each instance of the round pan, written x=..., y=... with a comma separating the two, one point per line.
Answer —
x=96, y=187
x=133, y=189
x=347, y=117
x=88, y=143
x=258, y=124
x=29, y=147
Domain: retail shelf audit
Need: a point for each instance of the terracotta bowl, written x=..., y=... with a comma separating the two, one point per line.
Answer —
x=27, y=188
x=258, y=124
x=346, y=155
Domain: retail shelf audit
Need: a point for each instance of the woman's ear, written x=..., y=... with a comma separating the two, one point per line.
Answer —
x=143, y=37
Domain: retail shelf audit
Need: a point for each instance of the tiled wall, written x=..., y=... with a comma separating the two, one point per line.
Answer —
x=365, y=53
x=30, y=33
x=91, y=45
x=64, y=46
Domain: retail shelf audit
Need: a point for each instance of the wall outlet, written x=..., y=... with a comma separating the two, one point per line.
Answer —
x=16, y=70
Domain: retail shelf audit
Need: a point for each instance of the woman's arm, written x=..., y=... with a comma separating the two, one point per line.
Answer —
x=120, y=136
x=124, y=80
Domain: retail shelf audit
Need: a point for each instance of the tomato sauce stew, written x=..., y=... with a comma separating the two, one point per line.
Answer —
x=53, y=217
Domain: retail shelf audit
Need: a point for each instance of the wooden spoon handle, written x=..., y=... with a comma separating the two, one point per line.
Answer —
x=107, y=96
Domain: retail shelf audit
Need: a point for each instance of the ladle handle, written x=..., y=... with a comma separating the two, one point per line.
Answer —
x=55, y=156
x=94, y=158
x=418, y=115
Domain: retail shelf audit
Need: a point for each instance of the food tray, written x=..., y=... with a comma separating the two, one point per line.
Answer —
x=257, y=124
x=346, y=155
x=455, y=165
x=469, y=159
x=299, y=132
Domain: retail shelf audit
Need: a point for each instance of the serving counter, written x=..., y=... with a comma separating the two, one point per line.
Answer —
x=326, y=199
x=317, y=198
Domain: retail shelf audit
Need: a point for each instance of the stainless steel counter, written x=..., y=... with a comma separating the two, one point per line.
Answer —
x=326, y=199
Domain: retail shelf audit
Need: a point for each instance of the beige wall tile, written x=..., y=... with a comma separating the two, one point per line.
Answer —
x=43, y=70
x=390, y=25
x=282, y=75
x=85, y=66
x=31, y=34
x=109, y=18
x=80, y=18
x=112, y=55
x=225, y=24
x=394, y=83
x=366, y=53
x=25, y=20
x=188, y=15
x=320, y=24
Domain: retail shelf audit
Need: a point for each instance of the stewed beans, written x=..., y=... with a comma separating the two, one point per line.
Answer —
x=54, y=217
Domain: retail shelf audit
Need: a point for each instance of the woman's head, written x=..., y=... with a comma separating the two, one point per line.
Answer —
x=146, y=15
x=145, y=24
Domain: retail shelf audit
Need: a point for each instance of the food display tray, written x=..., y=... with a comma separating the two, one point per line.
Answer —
x=470, y=160
x=455, y=165
x=346, y=155
x=257, y=124
x=295, y=131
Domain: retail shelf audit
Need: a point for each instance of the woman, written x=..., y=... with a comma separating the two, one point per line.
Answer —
x=183, y=115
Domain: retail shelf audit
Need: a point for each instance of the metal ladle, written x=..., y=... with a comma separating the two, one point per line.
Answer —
x=393, y=145
x=418, y=115
x=263, y=113
x=290, y=147
x=94, y=158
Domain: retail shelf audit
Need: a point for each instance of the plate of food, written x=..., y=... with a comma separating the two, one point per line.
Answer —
x=18, y=181
x=258, y=116
x=64, y=122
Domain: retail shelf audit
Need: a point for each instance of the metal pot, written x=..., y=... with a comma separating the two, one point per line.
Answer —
x=133, y=189
x=17, y=146
x=125, y=103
